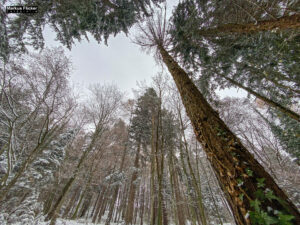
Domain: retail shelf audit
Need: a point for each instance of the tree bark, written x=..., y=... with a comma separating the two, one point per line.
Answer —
x=100, y=200
x=116, y=191
x=196, y=186
x=132, y=190
x=286, y=22
x=229, y=158
x=179, y=212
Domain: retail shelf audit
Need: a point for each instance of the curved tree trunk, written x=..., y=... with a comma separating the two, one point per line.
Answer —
x=229, y=158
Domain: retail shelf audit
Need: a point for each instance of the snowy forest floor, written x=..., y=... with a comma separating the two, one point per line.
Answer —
x=87, y=222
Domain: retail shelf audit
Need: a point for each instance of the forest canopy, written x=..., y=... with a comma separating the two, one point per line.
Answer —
x=177, y=152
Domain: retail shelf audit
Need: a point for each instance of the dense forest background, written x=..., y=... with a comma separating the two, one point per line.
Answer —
x=175, y=153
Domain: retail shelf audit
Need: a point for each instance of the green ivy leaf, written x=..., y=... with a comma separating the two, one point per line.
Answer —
x=256, y=205
x=285, y=219
x=260, y=194
x=269, y=195
x=240, y=182
x=249, y=172
x=241, y=196
x=260, y=182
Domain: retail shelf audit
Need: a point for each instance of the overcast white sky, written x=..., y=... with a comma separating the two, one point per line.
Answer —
x=121, y=62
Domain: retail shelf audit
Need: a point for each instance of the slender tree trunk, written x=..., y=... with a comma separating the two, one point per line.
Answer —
x=74, y=216
x=95, y=205
x=189, y=186
x=281, y=108
x=69, y=183
x=179, y=212
x=132, y=190
x=124, y=202
x=116, y=191
x=90, y=175
x=142, y=205
x=159, y=161
x=45, y=141
x=136, y=209
x=196, y=186
x=152, y=181
x=100, y=201
x=112, y=205
x=85, y=205
x=208, y=182
x=286, y=22
x=229, y=158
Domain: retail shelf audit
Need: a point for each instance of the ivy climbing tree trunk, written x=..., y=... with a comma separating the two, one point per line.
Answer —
x=242, y=178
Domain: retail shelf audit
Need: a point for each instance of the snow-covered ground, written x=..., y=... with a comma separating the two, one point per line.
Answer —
x=84, y=222
x=79, y=222
x=40, y=221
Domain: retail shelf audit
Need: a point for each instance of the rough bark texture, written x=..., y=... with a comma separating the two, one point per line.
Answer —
x=286, y=22
x=229, y=158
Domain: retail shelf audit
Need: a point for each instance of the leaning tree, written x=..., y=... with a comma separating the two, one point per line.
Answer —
x=251, y=192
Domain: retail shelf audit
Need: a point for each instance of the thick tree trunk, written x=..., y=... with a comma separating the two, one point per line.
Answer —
x=268, y=101
x=286, y=22
x=229, y=158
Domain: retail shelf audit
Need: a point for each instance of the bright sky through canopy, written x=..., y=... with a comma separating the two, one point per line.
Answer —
x=121, y=62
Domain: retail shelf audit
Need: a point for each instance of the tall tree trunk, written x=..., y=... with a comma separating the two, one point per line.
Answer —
x=132, y=190
x=69, y=183
x=196, y=186
x=208, y=182
x=152, y=179
x=85, y=205
x=142, y=205
x=99, y=203
x=229, y=158
x=95, y=205
x=189, y=186
x=45, y=140
x=268, y=101
x=159, y=164
x=286, y=22
x=179, y=212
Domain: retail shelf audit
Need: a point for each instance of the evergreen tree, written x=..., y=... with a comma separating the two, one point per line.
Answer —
x=263, y=63
x=140, y=137
x=247, y=193
x=72, y=20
